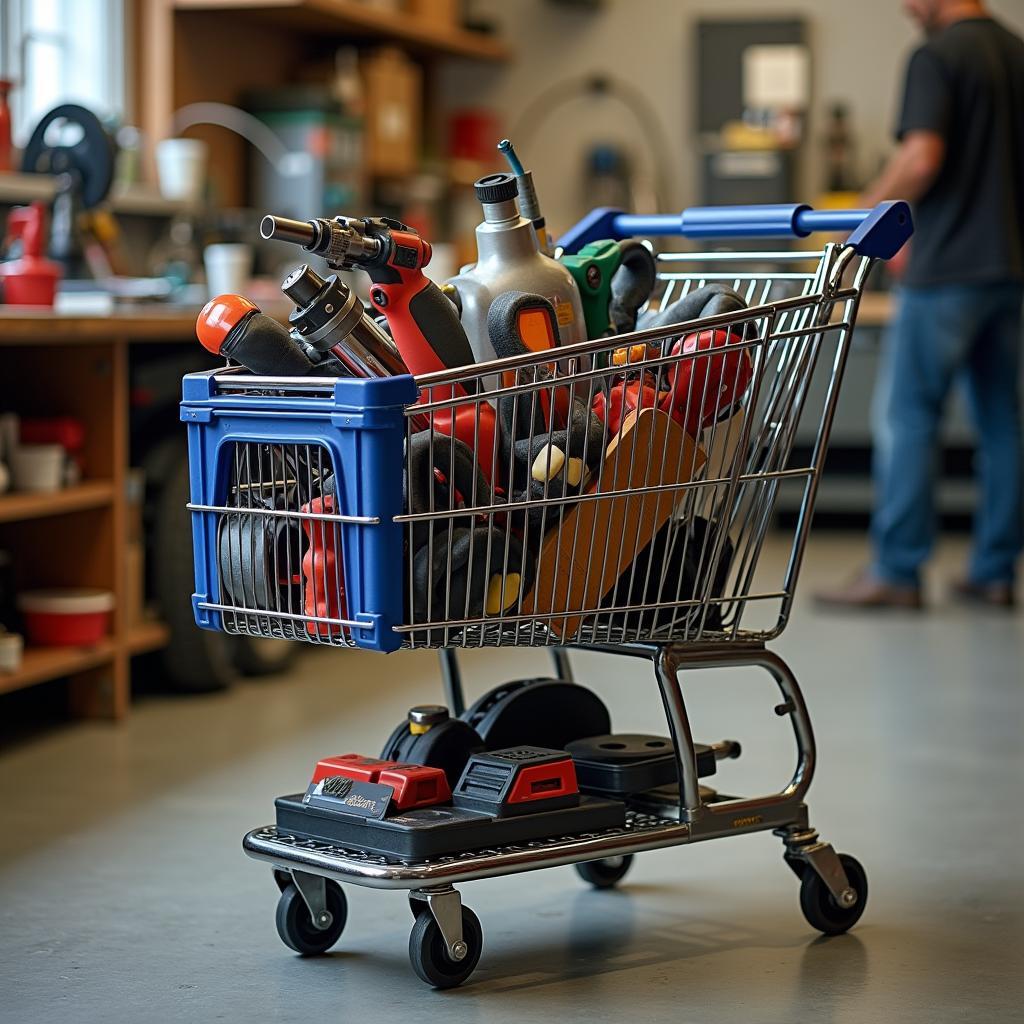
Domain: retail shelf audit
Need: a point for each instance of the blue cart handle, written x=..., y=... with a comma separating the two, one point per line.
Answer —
x=879, y=233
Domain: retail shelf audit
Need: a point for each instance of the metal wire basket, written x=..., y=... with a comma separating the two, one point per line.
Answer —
x=614, y=491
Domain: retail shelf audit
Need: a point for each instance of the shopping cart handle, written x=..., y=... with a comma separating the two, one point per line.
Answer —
x=878, y=233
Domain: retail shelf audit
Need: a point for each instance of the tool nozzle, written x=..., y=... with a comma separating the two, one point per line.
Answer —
x=284, y=229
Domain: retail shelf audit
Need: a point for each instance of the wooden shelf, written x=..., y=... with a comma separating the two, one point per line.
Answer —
x=38, y=664
x=147, y=636
x=350, y=17
x=90, y=494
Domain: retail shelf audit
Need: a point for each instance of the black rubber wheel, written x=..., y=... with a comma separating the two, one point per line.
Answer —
x=604, y=874
x=819, y=906
x=429, y=954
x=295, y=923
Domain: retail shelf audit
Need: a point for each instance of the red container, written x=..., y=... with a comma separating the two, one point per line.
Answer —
x=66, y=617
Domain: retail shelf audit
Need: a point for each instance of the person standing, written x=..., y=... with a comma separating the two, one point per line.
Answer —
x=958, y=315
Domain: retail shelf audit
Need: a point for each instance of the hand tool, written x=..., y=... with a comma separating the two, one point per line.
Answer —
x=233, y=327
x=551, y=438
x=517, y=323
x=614, y=279
x=529, y=204
x=424, y=324
x=468, y=572
x=509, y=259
x=650, y=450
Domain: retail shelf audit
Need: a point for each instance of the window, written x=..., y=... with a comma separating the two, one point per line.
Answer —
x=62, y=51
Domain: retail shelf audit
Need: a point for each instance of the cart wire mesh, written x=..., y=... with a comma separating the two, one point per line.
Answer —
x=616, y=491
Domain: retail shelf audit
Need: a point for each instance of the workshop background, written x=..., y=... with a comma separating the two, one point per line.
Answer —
x=136, y=749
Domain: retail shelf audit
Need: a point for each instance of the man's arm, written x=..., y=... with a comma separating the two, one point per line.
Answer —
x=911, y=170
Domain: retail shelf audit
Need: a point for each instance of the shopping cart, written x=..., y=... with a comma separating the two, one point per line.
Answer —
x=623, y=508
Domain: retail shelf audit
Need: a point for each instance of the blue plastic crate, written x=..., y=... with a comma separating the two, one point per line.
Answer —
x=361, y=424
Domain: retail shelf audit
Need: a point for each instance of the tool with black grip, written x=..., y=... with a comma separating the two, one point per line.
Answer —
x=614, y=279
x=424, y=323
x=233, y=327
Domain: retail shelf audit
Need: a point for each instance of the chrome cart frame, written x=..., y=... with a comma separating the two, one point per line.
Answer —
x=793, y=313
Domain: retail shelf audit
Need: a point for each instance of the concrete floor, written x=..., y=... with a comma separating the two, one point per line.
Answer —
x=124, y=894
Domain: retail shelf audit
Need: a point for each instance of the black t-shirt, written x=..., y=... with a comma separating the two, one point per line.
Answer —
x=967, y=84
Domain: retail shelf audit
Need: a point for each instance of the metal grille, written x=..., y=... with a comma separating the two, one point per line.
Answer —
x=279, y=545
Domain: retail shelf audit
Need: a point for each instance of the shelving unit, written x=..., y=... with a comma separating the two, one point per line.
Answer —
x=219, y=50
x=78, y=366
x=348, y=17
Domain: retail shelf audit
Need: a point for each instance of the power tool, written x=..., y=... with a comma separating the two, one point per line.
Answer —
x=423, y=322
x=509, y=260
x=615, y=278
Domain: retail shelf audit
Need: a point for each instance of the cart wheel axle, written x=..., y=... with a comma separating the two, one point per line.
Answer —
x=298, y=928
x=431, y=958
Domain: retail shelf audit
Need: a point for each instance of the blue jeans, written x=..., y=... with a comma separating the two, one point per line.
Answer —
x=941, y=334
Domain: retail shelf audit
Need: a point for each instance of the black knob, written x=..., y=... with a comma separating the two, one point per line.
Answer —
x=496, y=188
x=302, y=285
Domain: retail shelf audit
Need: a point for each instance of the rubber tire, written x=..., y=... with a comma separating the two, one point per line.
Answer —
x=820, y=908
x=195, y=660
x=429, y=955
x=295, y=924
x=604, y=874
x=255, y=656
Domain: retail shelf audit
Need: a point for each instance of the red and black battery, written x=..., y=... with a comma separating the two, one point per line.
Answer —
x=518, y=780
x=412, y=785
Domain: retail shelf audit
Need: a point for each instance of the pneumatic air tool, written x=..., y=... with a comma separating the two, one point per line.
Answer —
x=423, y=322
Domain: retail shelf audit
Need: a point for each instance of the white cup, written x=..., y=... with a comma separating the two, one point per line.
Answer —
x=11, y=647
x=181, y=169
x=228, y=267
x=37, y=467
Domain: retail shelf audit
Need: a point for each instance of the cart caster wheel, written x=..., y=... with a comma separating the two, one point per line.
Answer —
x=428, y=952
x=604, y=874
x=282, y=879
x=819, y=905
x=295, y=924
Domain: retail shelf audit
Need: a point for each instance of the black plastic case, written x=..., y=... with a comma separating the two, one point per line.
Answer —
x=433, y=831
x=623, y=764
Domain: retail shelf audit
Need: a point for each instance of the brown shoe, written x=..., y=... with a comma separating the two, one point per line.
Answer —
x=867, y=591
x=993, y=595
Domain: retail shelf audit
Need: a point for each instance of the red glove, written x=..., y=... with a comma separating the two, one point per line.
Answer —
x=707, y=388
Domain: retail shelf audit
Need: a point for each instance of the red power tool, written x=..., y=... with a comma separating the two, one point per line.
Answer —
x=424, y=324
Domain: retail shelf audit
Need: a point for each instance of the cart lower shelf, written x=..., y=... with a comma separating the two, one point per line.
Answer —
x=640, y=832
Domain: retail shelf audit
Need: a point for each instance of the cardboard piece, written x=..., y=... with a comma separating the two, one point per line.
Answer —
x=598, y=539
